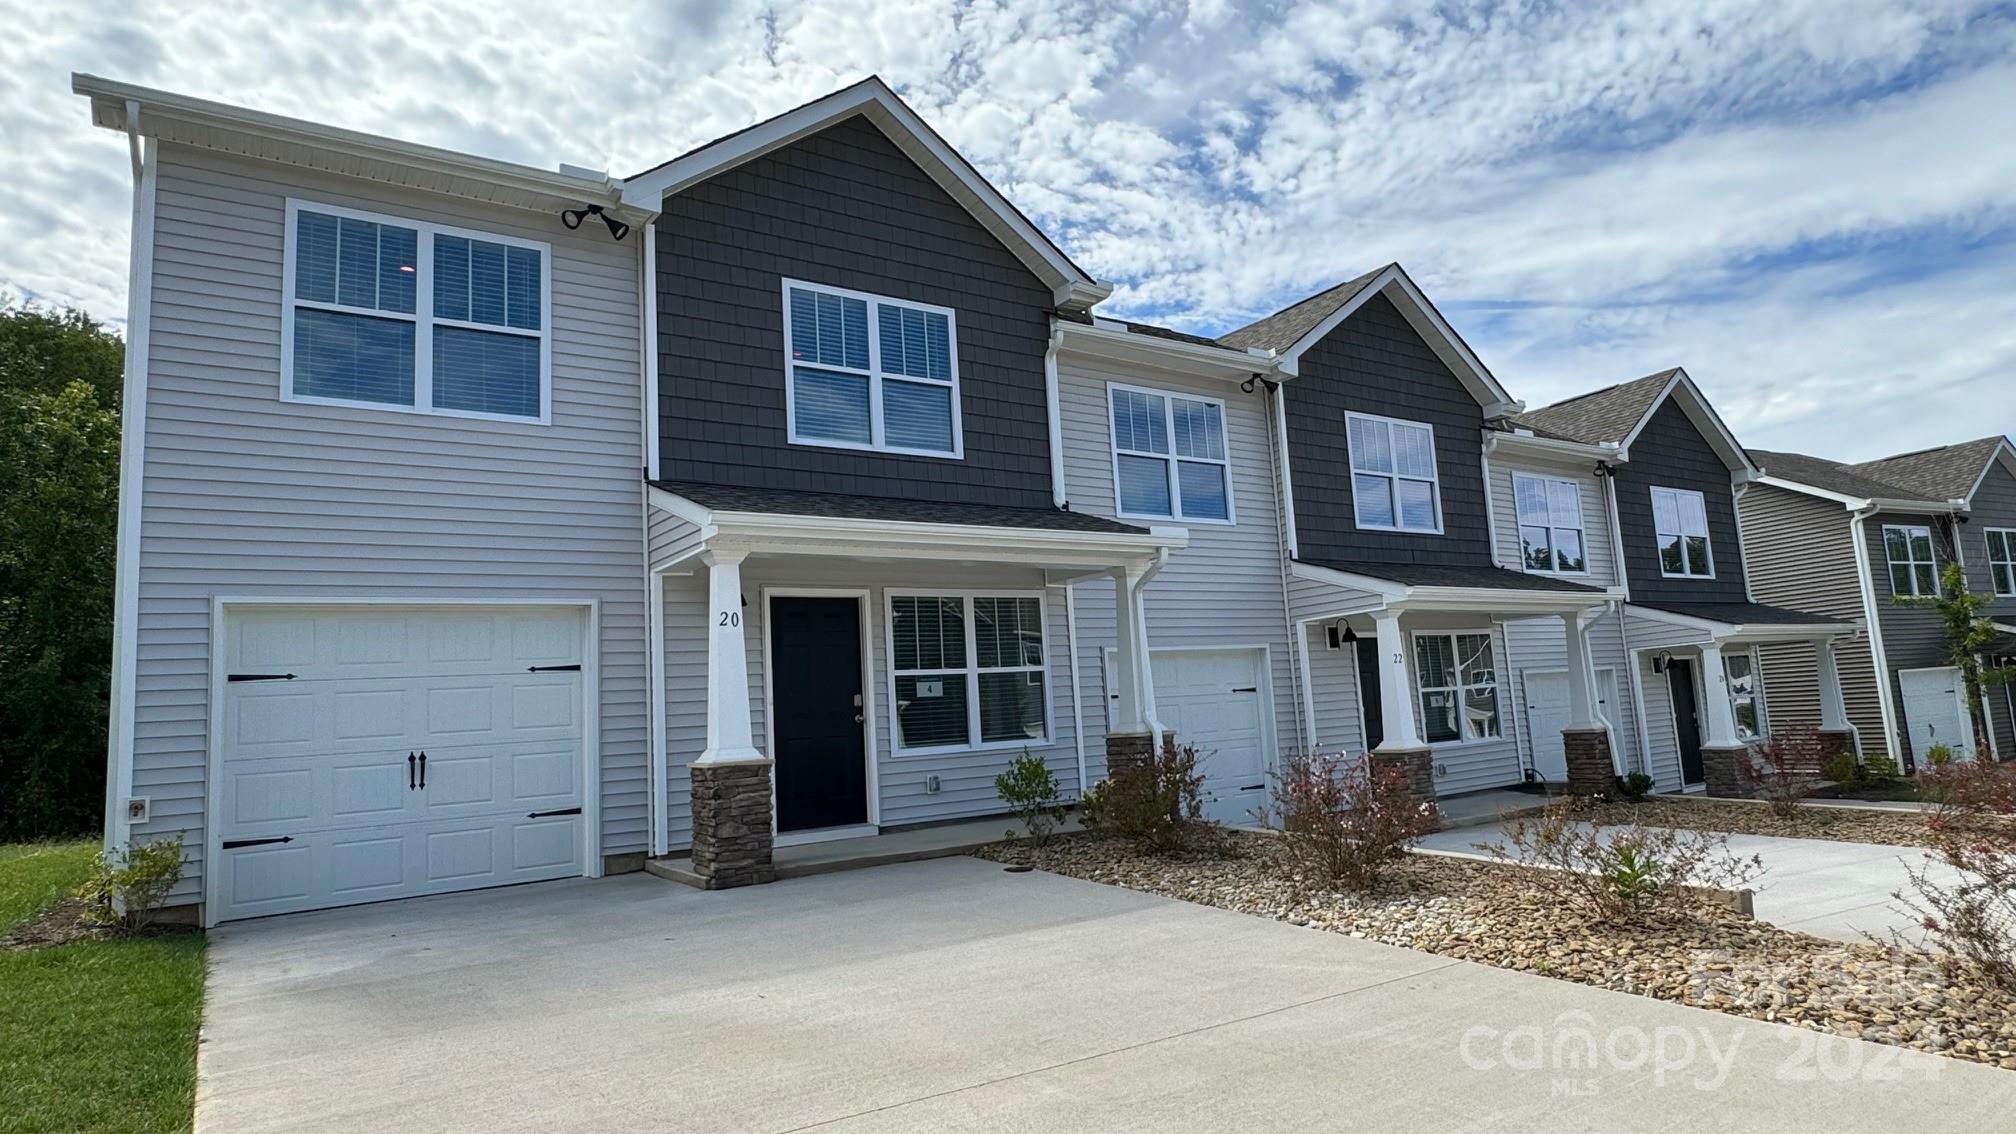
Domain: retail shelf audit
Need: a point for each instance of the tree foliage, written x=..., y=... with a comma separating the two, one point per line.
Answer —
x=60, y=376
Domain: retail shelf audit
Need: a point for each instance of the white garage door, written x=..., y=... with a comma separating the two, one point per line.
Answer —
x=1212, y=700
x=374, y=753
x=1932, y=713
x=1547, y=714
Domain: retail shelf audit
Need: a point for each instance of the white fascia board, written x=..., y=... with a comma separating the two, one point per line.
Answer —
x=681, y=507
x=1071, y=287
x=1172, y=354
x=274, y=137
x=2005, y=455
x=1493, y=600
x=1859, y=503
x=1384, y=588
x=1440, y=336
x=1698, y=410
x=1747, y=631
x=1529, y=443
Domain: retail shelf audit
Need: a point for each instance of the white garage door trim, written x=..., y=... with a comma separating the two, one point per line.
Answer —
x=1965, y=749
x=1612, y=720
x=591, y=729
x=1269, y=726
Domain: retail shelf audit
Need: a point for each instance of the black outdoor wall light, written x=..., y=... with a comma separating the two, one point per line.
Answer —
x=572, y=218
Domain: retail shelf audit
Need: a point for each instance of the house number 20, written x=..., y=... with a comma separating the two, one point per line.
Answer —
x=729, y=618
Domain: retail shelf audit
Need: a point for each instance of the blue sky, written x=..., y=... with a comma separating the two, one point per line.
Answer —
x=1810, y=205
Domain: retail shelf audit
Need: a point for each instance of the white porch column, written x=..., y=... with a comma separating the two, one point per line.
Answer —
x=729, y=739
x=1718, y=718
x=1833, y=708
x=1128, y=718
x=1396, y=688
x=1581, y=675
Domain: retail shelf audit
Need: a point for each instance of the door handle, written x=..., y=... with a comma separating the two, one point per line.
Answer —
x=423, y=771
x=409, y=771
x=857, y=718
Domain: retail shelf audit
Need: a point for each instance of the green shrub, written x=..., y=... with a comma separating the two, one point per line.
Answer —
x=136, y=881
x=1635, y=786
x=1158, y=804
x=1029, y=790
x=1939, y=755
x=1843, y=769
x=1880, y=768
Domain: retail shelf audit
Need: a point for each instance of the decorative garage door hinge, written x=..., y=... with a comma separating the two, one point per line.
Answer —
x=575, y=668
x=234, y=844
x=560, y=811
x=260, y=677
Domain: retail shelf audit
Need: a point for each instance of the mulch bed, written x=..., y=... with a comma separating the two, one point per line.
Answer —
x=1492, y=914
x=1838, y=824
x=64, y=923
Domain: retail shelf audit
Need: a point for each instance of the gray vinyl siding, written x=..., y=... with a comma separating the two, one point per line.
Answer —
x=1662, y=754
x=1913, y=636
x=966, y=778
x=244, y=494
x=667, y=537
x=1376, y=363
x=1334, y=699
x=847, y=209
x=1224, y=590
x=1671, y=452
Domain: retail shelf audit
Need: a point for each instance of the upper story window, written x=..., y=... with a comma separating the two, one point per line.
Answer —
x=1914, y=568
x=1169, y=456
x=1456, y=678
x=1550, y=525
x=1393, y=479
x=868, y=372
x=407, y=315
x=1680, y=519
x=2002, y=560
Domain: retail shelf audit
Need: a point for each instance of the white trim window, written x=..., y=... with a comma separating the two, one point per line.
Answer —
x=1170, y=459
x=967, y=671
x=1680, y=521
x=1746, y=699
x=1394, y=483
x=398, y=314
x=869, y=372
x=1550, y=525
x=1456, y=682
x=2002, y=560
x=1914, y=565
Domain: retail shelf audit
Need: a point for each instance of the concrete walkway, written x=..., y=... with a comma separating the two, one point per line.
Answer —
x=949, y=995
x=1818, y=886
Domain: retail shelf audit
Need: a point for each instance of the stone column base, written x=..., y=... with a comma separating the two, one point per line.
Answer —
x=1590, y=768
x=1417, y=763
x=1723, y=768
x=731, y=824
x=1125, y=750
x=1835, y=742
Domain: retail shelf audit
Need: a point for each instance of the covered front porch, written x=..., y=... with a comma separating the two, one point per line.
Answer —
x=1706, y=704
x=830, y=677
x=1427, y=661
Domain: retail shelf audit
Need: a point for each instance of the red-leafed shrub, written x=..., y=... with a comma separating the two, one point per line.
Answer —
x=1787, y=771
x=1343, y=818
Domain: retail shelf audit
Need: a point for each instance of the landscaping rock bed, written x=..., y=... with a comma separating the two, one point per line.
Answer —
x=1489, y=913
x=1840, y=824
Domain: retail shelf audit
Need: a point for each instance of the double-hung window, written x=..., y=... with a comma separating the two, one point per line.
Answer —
x=1169, y=455
x=1550, y=525
x=1456, y=676
x=968, y=671
x=1393, y=478
x=1680, y=520
x=1744, y=702
x=2002, y=560
x=867, y=372
x=1914, y=568
x=407, y=315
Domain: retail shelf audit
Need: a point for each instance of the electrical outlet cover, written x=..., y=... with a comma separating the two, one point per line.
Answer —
x=137, y=809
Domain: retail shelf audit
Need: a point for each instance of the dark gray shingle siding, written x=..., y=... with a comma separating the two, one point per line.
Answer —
x=1994, y=507
x=844, y=208
x=1672, y=453
x=1376, y=363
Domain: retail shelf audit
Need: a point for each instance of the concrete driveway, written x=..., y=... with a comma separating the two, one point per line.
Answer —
x=950, y=995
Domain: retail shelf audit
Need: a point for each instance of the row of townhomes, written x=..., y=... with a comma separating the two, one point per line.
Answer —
x=483, y=523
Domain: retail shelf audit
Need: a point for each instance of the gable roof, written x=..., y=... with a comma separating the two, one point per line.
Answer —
x=1949, y=472
x=1291, y=331
x=871, y=98
x=1804, y=470
x=1616, y=415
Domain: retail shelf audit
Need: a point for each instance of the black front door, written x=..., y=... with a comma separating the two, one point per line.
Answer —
x=1368, y=692
x=1686, y=719
x=815, y=688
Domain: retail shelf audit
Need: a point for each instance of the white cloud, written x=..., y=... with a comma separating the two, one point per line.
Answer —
x=1806, y=202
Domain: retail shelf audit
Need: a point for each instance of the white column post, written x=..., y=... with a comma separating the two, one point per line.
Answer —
x=1396, y=689
x=1581, y=677
x=729, y=739
x=1833, y=708
x=1716, y=712
x=1145, y=664
x=1127, y=716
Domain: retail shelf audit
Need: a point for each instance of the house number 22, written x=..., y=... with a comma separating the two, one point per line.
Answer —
x=729, y=618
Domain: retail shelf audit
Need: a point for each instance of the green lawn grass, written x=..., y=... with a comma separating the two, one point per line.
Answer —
x=94, y=1035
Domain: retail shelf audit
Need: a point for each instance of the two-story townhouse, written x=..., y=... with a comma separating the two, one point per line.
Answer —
x=1868, y=540
x=1692, y=628
x=380, y=616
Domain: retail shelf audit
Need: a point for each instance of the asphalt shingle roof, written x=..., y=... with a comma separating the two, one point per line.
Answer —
x=792, y=502
x=1287, y=326
x=1599, y=417
x=1452, y=575
x=1830, y=476
x=1946, y=473
x=1743, y=613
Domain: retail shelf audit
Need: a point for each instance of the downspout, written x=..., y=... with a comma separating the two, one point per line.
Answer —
x=647, y=347
x=1490, y=504
x=1077, y=706
x=1879, y=658
x=1284, y=539
x=1053, y=400
x=655, y=669
x=1642, y=759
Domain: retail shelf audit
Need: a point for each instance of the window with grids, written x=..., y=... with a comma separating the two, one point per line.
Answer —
x=1680, y=520
x=1456, y=676
x=866, y=372
x=1550, y=525
x=407, y=315
x=1914, y=567
x=2002, y=560
x=968, y=671
x=1169, y=455
x=1744, y=702
x=1393, y=477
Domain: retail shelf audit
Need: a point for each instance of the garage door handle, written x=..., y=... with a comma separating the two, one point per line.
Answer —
x=234, y=844
x=259, y=677
x=423, y=771
x=409, y=771
x=575, y=668
x=560, y=811
x=1248, y=689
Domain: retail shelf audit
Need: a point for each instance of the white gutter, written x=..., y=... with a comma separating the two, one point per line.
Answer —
x=1879, y=658
x=648, y=335
x=1284, y=543
x=1054, y=401
x=1491, y=512
x=661, y=842
x=132, y=469
x=1077, y=707
x=1743, y=545
x=1287, y=469
x=1642, y=760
